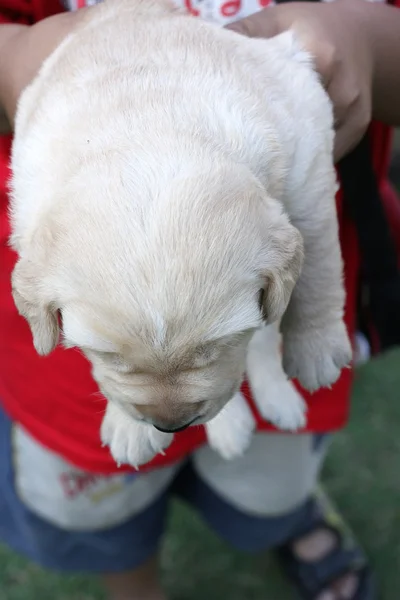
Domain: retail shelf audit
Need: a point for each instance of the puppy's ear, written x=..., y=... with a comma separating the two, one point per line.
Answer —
x=29, y=299
x=282, y=262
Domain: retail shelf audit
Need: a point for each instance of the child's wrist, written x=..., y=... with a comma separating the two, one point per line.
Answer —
x=383, y=23
x=10, y=36
x=22, y=52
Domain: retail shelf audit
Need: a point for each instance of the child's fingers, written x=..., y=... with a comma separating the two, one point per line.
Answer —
x=352, y=109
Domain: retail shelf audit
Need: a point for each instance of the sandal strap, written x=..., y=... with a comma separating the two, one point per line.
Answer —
x=312, y=577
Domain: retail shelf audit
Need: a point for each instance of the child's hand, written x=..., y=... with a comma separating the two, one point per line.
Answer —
x=22, y=52
x=337, y=34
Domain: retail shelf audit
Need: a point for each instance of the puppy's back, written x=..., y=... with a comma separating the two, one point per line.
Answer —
x=144, y=90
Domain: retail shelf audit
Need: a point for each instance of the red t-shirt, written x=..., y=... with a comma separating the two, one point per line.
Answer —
x=55, y=397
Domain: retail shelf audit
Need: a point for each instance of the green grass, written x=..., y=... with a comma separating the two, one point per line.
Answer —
x=362, y=474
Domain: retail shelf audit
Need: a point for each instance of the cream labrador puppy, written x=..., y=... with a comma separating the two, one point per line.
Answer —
x=168, y=177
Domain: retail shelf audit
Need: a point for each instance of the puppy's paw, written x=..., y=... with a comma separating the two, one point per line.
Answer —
x=229, y=433
x=284, y=407
x=316, y=357
x=130, y=441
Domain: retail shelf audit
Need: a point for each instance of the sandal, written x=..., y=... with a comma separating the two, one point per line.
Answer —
x=311, y=578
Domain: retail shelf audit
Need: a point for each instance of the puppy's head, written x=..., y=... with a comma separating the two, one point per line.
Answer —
x=163, y=300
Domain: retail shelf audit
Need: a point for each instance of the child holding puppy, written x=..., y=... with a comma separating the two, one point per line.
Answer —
x=65, y=502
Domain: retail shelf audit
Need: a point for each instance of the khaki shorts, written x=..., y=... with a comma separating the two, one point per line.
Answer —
x=72, y=520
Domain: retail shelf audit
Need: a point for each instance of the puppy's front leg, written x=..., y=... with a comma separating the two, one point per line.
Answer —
x=316, y=345
x=230, y=432
x=275, y=397
x=130, y=441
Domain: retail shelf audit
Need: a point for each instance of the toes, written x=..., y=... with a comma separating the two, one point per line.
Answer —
x=317, y=359
x=130, y=442
x=159, y=441
x=289, y=415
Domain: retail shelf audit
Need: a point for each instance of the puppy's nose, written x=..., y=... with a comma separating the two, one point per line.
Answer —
x=175, y=429
x=171, y=419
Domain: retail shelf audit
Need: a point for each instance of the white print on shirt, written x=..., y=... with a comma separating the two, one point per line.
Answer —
x=221, y=12
x=70, y=498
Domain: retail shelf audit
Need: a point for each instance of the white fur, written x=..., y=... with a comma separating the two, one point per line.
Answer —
x=229, y=433
x=276, y=398
x=130, y=441
x=164, y=172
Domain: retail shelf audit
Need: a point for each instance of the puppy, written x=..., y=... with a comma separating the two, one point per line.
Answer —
x=168, y=178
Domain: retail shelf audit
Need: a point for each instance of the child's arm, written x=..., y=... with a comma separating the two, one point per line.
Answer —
x=22, y=51
x=385, y=34
x=356, y=46
x=7, y=33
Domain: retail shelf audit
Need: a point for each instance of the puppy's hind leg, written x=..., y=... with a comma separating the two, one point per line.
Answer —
x=315, y=342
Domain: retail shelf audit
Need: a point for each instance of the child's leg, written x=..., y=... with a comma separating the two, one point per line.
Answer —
x=267, y=500
x=72, y=521
x=273, y=479
x=141, y=583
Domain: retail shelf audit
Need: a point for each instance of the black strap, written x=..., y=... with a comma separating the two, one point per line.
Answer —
x=365, y=207
x=380, y=273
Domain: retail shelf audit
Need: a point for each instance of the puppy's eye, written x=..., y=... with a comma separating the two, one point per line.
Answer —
x=261, y=305
x=204, y=355
x=115, y=360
